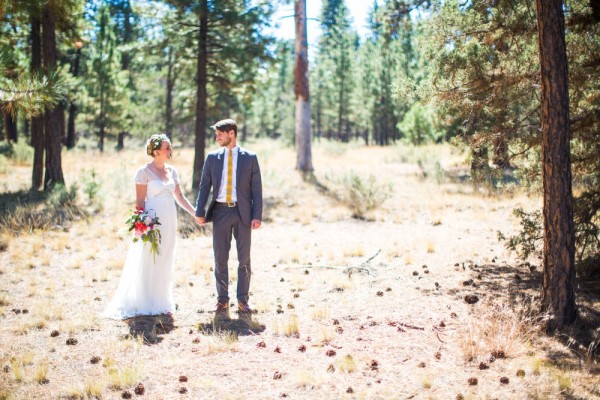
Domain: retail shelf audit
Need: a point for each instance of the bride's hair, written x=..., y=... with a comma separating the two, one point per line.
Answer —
x=154, y=143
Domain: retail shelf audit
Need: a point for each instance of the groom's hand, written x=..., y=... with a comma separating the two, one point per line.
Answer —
x=200, y=221
x=255, y=224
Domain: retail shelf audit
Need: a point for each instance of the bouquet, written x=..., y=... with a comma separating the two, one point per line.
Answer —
x=144, y=227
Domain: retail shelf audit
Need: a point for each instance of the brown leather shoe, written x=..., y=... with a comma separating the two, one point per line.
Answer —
x=222, y=307
x=244, y=308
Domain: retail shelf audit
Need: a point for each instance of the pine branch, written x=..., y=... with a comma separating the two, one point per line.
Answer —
x=31, y=94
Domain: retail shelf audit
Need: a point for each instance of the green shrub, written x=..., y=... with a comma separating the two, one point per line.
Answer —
x=4, y=164
x=19, y=153
x=92, y=188
x=418, y=125
x=530, y=239
x=63, y=197
x=22, y=153
x=362, y=195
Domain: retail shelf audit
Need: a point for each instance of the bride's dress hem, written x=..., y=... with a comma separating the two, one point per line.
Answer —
x=126, y=316
x=146, y=284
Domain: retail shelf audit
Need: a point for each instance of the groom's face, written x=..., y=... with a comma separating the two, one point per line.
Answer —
x=224, y=138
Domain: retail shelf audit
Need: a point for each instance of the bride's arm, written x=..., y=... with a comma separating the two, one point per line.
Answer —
x=140, y=195
x=183, y=201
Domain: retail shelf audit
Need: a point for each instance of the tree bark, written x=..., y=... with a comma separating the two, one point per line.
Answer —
x=341, y=110
x=10, y=123
x=558, y=294
x=70, y=142
x=500, y=157
x=169, y=95
x=53, y=118
x=37, y=123
x=301, y=88
x=121, y=140
x=127, y=36
x=101, y=130
x=200, y=139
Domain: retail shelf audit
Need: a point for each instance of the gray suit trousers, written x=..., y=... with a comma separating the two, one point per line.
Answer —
x=227, y=222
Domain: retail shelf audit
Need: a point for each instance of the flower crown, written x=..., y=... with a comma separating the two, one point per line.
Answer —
x=154, y=143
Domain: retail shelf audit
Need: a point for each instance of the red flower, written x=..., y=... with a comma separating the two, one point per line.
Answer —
x=140, y=227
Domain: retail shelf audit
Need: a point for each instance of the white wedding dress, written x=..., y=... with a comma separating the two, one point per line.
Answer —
x=146, y=285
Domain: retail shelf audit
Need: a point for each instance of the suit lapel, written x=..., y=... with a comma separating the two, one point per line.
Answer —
x=219, y=170
x=240, y=161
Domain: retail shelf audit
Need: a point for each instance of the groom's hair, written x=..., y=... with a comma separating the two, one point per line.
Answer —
x=225, y=125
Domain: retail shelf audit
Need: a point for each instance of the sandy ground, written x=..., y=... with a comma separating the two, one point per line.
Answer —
x=346, y=308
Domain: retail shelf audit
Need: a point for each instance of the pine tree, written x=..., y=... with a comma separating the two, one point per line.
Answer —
x=333, y=86
x=558, y=289
x=303, y=142
x=228, y=47
x=483, y=71
x=106, y=81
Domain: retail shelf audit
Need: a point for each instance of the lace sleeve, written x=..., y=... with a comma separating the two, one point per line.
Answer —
x=175, y=176
x=141, y=177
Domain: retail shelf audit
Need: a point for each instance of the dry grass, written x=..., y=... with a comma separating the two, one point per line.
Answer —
x=92, y=388
x=220, y=342
x=498, y=327
x=288, y=327
x=380, y=333
x=347, y=364
x=120, y=378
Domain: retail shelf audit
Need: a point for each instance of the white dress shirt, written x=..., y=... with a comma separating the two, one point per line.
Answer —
x=222, y=196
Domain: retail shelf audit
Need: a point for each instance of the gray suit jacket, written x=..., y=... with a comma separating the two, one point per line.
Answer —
x=248, y=185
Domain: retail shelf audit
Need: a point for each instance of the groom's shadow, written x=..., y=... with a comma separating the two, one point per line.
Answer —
x=150, y=327
x=244, y=325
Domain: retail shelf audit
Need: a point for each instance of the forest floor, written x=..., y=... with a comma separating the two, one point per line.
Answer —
x=347, y=308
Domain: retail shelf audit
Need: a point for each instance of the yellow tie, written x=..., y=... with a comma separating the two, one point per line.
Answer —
x=229, y=177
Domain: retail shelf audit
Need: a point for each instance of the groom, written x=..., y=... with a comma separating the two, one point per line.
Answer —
x=235, y=208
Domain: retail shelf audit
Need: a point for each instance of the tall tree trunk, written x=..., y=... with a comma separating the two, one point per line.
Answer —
x=200, y=139
x=558, y=293
x=10, y=122
x=70, y=142
x=341, y=107
x=301, y=89
x=127, y=36
x=101, y=125
x=54, y=174
x=26, y=127
x=169, y=95
x=121, y=140
x=37, y=123
x=500, y=157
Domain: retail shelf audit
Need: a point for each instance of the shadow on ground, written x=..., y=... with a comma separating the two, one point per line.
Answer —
x=244, y=325
x=150, y=327
x=9, y=201
x=582, y=338
x=27, y=210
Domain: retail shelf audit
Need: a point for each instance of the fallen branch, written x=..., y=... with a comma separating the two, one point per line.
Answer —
x=362, y=267
x=411, y=326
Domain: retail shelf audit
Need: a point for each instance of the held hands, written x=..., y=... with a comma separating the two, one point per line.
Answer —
x=200, y=221
x=255, y=224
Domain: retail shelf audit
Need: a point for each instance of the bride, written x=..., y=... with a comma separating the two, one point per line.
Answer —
x=146, y=284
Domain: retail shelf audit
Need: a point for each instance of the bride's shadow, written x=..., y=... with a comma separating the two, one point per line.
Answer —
x=149, y=327
x=243, y=325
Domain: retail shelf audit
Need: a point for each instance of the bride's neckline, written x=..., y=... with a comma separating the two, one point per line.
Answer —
x=154, y=171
